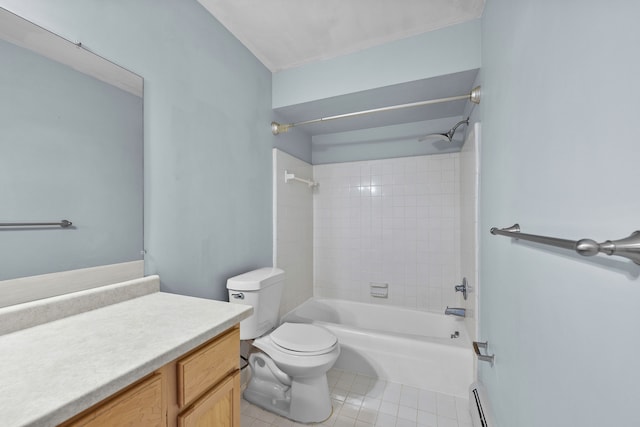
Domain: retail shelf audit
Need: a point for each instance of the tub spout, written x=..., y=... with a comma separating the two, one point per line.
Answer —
x=455, y=311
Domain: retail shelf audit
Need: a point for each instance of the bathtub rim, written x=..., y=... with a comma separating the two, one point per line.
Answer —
x=463, y=341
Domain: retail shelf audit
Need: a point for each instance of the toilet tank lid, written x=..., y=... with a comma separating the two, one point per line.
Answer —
x=256, y=279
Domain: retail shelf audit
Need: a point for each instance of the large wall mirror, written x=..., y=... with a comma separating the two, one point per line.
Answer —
x=71, y=147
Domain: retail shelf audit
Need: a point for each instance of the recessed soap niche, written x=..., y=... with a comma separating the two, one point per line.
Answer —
x=379, y=290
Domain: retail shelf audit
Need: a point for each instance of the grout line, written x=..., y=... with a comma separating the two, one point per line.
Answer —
x=351, y=407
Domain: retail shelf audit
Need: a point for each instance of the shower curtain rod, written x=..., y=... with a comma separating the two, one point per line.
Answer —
x=473, y=96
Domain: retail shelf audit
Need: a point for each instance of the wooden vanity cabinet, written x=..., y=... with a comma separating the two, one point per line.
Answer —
x=219, y=407
x=141, y=404
x=201, y=388
x=208, y=384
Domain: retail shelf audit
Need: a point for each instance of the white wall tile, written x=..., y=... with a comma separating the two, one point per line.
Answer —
x=398, y=224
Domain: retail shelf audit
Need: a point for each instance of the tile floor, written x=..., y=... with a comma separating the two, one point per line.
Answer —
x=361, y=401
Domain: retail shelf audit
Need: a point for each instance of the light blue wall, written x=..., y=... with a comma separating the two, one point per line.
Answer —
x=385, y=142
x=445, y=51
x=294, y=142
x=560, y=156
x=71, y=148
x=379, y=76
x=207, y=140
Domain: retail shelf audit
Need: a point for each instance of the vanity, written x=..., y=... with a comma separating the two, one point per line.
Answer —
x=156, y=359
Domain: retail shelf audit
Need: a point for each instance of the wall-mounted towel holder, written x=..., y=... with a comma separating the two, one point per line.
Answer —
x=629, y=247
x=63, y=224
x=290, y=176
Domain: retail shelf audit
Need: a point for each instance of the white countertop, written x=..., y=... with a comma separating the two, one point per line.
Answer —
x=55, y=370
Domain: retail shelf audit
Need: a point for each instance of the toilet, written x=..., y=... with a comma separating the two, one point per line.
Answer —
x=289, y=373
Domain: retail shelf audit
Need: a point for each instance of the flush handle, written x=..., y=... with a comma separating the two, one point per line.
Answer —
x=239, y=295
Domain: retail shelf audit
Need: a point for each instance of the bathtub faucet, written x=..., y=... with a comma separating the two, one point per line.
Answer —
x=455, y=311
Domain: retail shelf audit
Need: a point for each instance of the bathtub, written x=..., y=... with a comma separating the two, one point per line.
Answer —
x=398, y=345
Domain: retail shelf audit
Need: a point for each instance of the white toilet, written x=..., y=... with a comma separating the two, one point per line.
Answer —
x=289, y=376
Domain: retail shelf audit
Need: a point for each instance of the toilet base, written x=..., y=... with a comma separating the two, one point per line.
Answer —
x=310, y=401
x=306, y=400
x=267, y=402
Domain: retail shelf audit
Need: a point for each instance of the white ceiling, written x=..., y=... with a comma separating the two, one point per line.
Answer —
x=287, y=33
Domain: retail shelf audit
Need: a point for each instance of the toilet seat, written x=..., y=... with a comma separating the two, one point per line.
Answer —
x=300, y=363
x=303, y=339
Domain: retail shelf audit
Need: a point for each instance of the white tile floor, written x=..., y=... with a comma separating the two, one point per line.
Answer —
x=361, y=401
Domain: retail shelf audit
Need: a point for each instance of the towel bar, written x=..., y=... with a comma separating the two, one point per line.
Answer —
x=629, y=247
x=64, y=224
x=290, y=176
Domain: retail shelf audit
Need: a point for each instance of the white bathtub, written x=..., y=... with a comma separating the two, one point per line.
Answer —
x=396, y=344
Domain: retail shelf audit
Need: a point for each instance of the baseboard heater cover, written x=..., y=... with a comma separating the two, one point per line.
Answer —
x=479, y=406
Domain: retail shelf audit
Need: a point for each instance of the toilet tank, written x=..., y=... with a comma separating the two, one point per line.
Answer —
x=261, y=289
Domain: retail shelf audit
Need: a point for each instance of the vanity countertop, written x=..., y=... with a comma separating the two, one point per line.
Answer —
x=53, y=371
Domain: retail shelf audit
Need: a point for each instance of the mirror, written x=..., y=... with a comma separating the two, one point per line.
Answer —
x=71, y=147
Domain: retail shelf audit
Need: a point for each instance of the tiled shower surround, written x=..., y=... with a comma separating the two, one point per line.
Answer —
x=394, y=221
x=293, y=230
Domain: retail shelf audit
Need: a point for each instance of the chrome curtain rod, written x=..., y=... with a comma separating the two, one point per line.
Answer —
x=473, y=96
x=64, y=224
x=629, y=247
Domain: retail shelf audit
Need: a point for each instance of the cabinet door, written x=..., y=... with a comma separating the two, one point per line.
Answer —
x=220, y=407
x=207, y=366
x=139, y=406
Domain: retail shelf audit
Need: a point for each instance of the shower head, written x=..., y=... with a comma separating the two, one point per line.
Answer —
x=447, y=137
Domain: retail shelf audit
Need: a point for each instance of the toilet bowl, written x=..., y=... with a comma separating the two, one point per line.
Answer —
x=300, y=349
x=288, y=374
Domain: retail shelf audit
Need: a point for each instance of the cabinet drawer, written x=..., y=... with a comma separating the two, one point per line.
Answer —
x=141, y=405
x=220, y=407
x=207, y=365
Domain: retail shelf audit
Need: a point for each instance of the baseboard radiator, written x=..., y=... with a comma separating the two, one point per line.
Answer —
x=480, y=407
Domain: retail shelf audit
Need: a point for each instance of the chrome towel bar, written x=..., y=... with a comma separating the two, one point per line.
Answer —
x=629, y=247
x=64, y=224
